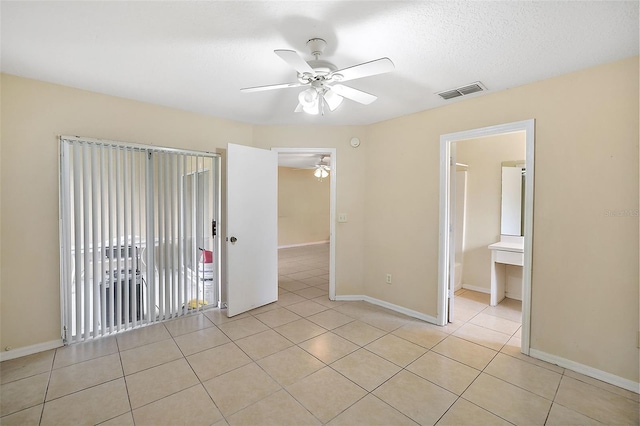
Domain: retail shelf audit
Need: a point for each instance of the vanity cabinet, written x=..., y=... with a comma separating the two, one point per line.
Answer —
x=508, y=251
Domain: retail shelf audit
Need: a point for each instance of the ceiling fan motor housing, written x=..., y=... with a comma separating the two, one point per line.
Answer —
x=316, y=46
x=323, y=70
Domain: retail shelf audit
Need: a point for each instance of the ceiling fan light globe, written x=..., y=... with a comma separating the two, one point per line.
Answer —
x=313, y=109
x=333, y=100
x=320, y=173
x=308, y=97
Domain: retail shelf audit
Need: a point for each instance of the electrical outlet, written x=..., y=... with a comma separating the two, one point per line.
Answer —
x=342, y=218
x=388, y=279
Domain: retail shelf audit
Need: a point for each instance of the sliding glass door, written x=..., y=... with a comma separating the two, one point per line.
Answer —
x=136, y=234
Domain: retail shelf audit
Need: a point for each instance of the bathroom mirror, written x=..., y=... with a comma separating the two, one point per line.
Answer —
x=511, y=217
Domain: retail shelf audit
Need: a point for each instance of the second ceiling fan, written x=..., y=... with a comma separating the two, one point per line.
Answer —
x=324, y=80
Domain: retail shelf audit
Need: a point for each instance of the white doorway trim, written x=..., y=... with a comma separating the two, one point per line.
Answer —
x=332, y=207
x=528, y=126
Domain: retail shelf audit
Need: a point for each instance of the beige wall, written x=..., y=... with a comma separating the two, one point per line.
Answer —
x=484, y=194
x=303, y=207
x=585, y=264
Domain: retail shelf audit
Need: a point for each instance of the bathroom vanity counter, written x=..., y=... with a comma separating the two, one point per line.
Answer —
x=503, y=246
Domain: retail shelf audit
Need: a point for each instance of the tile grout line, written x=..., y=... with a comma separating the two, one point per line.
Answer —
x=44, y=399
x=200, y=383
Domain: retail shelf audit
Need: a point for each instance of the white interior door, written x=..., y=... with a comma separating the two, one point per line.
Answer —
x=252, y=228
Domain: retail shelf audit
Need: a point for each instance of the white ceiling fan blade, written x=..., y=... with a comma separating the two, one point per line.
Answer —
x=271, y=87
x=353, y=94
x=379, y=66
x=295, y=61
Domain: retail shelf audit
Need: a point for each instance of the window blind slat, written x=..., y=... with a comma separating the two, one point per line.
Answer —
x=86, y=241
x=109, y=242
x=95, y=243
x=123, y=284
x=134, y=245
x=161, y=236
x=151, y=239
x=143, y=237
x=167, y=236
x=113, y=281
x=180, y=259
x=198, y=229
x=103, y=212
x=183, y=249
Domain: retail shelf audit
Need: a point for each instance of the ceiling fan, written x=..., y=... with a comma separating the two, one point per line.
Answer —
x=324, y=80
x=322, y=169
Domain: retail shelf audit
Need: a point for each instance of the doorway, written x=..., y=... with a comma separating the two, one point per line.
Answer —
x=328, y=157
x=447, y=213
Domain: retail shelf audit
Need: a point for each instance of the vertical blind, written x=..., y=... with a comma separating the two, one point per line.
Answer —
x=135, y=224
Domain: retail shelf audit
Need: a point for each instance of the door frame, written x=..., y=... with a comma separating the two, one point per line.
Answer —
x=528, y=126
x=332, y=206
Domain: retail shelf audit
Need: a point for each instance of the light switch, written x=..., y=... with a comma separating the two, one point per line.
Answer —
x=342, y=218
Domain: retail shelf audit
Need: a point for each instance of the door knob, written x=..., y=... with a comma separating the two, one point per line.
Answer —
x=233, y=240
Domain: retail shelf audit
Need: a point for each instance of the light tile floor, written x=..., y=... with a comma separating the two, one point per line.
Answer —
x=306, y=360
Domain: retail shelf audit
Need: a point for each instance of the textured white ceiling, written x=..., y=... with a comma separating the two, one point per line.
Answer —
x=197, y=55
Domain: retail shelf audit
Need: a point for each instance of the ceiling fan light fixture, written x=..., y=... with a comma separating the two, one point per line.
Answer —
x=320, y=173
x=332, y=99
x=308, y=97
x=313, y=108
x=322, y=169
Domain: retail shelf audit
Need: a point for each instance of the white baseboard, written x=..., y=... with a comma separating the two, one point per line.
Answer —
x=587, y=371
x=513, y=296
x=476, y=288
x=30, y=350
x=396, y=308
x=303, y=244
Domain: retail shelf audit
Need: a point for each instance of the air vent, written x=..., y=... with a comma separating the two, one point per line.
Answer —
x=462, y=91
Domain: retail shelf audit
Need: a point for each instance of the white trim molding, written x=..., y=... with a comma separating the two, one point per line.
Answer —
x=30, y=350
x=621, y=382
x=303, y=244
x=476, y=288
x=391, y=306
